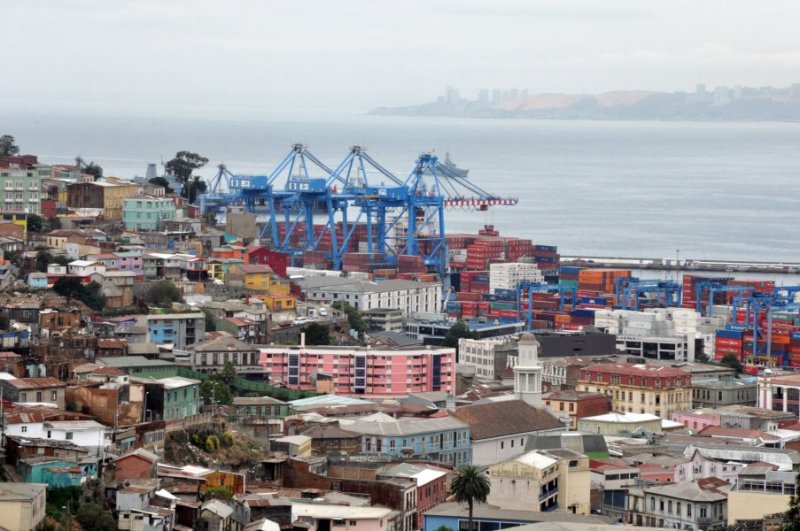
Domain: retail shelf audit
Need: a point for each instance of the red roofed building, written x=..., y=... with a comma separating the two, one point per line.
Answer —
x=652, y=389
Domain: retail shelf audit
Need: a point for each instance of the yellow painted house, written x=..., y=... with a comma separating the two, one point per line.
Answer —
x=278, y=303
x=218, y=267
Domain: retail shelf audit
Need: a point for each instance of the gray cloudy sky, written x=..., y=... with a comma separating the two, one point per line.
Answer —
x=255, y=56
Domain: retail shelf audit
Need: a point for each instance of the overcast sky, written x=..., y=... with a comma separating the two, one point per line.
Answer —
x=248, y=57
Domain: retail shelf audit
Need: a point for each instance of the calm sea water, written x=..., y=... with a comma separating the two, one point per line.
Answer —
x=711, y=190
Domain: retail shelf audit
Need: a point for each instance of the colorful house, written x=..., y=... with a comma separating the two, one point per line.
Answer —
x=56, y=471
x=229, y=252
x=261, y=254
x=218, y=267
x=279, y=303
x=37, y=280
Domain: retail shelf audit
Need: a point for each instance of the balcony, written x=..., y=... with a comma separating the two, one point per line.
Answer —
x=547, y=493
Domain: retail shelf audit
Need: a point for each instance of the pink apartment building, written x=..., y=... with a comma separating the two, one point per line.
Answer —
x=697, y=419
x=362, y=371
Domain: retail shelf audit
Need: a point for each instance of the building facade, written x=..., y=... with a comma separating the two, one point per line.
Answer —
x=444, y=440
x=179, y=329
x=20, y=190
x=147, y=212
x=214, y=354
x=690, y=505
x=542, y=480
x=363, y=371
x=406, y=295
x=639, y=388
x=481, y=354
x=576, y=405
x=22, y=505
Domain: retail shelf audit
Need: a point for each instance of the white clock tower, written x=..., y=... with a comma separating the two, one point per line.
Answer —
x=527, y=371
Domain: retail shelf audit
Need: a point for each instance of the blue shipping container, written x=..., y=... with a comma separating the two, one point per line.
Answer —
x=729, y=334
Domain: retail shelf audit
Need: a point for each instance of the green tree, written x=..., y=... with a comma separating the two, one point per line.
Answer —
x=317, y=334
x=217, y=390
x=94, y=170
x=228, y=373
x=92, y=296
x=470, y=486
x=182, y=167
x=53, y=223
x=8, y=146
x=732, y=361
x=354, y=318
x=93, y=517
x=164, y=293
x=43, y=258
x=161, y=181
x=456, y=332
x=68, y=287
x=222, y=493
x=35, y=223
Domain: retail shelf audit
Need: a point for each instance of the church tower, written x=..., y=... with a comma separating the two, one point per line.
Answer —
x=527, y=371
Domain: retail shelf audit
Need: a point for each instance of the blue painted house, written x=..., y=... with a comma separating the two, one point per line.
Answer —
x=37, y=280
x=56, y=471
x=445, y=440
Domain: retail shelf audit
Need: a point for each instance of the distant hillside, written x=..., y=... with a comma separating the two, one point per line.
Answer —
x=734, y=105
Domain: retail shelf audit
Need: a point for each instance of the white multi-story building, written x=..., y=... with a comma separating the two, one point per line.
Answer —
x=483, y=356
x=509, y=275
x=660, y=333
x=406, y=295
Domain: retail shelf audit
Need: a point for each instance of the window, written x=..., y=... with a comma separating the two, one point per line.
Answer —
x=54, y=396
x=24, y=429
x=502, y=444
x=69, y=435
x=512, y=443
x=703, y=511
x=688, y=509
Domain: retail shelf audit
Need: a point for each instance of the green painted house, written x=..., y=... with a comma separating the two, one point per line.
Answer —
x=172, y=398
x=56, y=471
x=261, y=407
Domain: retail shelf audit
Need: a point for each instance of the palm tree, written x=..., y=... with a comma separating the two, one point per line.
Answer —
x=470, y=486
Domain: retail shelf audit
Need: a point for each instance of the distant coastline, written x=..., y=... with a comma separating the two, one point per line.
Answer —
x=722, y=104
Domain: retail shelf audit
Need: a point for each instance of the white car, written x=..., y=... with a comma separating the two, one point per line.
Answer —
x=323, y=312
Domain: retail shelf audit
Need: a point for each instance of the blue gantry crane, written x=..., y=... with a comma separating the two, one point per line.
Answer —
x=529, y=288
x=402, y=217
x=628, y=291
